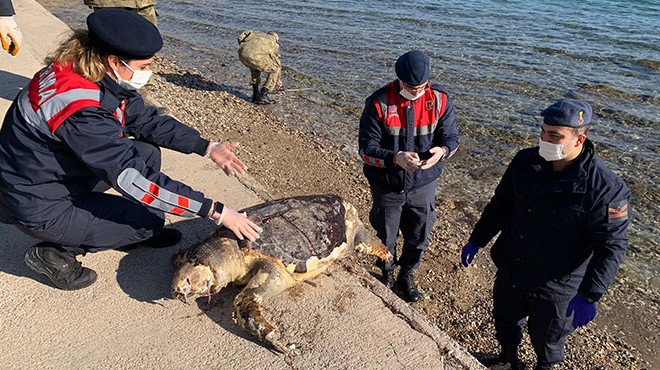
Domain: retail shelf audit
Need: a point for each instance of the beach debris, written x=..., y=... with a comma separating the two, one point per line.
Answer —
x=302, y=236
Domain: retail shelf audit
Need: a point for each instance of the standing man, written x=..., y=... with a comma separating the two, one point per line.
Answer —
x=563, y=217
x=10, y=34
x=145, y=8
x=260, y=52
x=79, y=128
x=408, y=127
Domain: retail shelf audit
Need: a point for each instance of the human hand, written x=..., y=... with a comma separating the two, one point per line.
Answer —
x=10, y=35
x=438, y=153
x=238, y=223
x=222, y=155
x=583, y=311
x=468, y=253
x=409, y=161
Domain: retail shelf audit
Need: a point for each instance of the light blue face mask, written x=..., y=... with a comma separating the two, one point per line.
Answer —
x=137, y=81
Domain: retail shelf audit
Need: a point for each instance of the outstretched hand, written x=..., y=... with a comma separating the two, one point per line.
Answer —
x=242, y=226
x=222, y=155
x=10, y=35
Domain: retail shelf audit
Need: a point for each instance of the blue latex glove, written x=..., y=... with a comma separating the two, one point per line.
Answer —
x=584, y=311
x=468, y=252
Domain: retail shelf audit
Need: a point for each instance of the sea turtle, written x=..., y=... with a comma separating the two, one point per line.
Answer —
x=301, y=237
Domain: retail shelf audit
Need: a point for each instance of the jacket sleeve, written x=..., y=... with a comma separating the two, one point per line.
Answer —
x=144, y=123
x=95, y=138
x=447, y=133
x=608, y=223
x=6, y=8
x=370, y=137
x=496, y=211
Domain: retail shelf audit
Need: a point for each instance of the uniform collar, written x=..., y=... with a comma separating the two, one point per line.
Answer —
x=572, y=178
x=111, y=85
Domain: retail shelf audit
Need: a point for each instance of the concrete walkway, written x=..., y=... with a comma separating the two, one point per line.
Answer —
x=344, y=320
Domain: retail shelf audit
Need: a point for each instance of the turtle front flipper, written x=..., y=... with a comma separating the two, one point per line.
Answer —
x=268, y=280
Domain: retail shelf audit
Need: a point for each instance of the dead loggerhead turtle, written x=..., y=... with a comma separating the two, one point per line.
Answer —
x=301, y=237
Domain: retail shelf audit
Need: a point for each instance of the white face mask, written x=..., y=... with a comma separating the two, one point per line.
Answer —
x=552, y=152
x=139, y=79
x=408, y=95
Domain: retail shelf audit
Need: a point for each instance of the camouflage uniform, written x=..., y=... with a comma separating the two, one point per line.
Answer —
x=145, y=8
x=260, y=52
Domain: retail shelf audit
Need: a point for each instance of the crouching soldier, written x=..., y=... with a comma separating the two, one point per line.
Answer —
x=260, y=52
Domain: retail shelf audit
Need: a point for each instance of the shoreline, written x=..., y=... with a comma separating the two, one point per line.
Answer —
x=291, y=161
x=285, y=162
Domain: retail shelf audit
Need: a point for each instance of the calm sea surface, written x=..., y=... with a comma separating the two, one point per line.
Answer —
x=502, y=62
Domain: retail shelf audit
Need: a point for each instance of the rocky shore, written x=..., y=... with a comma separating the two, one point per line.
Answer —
x=284, y=161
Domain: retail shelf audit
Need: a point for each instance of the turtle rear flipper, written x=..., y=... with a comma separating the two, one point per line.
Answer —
x=269, y=279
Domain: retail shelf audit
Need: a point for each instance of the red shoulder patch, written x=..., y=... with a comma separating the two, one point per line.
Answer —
x=617, y=211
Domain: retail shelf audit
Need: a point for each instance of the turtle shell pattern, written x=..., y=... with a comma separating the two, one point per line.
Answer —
x=297, y=228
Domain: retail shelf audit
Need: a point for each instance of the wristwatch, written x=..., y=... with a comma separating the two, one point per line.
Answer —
x=217, y=214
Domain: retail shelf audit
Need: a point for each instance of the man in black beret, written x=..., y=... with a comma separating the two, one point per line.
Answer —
x=80, y=128
x=563, y=217
x=407, y=129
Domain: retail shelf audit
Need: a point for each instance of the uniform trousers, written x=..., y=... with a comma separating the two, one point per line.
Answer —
x=99, y=221
x=547, y=323
x=413, y=213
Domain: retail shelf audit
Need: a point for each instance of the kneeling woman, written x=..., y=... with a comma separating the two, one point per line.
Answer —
x=80, y=128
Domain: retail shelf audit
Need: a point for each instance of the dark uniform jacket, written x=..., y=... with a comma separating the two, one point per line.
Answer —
x=6, y=8
x=560, y=232
x=63, y=133
x=391, y=123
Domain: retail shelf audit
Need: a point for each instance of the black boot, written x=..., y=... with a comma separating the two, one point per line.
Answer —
x=255, y=93
x=507, y=360
x=387, y=278
x=263, y=97
x=61, y=266
x=406, y=282
x=166, y=238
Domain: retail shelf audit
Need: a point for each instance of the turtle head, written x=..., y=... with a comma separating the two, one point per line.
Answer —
x=196, y=280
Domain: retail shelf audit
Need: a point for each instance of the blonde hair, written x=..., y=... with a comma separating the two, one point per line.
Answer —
x=85, y=59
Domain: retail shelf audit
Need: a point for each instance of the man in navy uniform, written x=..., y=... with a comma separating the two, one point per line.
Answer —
x=563, y=217
x=407, y=129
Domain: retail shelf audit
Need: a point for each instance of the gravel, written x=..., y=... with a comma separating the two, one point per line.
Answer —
x=283, y=161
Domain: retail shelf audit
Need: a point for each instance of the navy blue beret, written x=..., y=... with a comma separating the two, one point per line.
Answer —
x=124, y=33
x=567, y=112
x=413, y=68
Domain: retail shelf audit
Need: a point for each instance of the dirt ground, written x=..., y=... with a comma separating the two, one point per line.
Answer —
x=458, y=300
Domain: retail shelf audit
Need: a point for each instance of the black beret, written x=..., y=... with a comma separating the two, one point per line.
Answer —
x=413, y=68
x=567, y=112
x=124, y=33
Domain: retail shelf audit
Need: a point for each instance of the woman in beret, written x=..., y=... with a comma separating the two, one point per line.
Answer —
x=80, y=128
